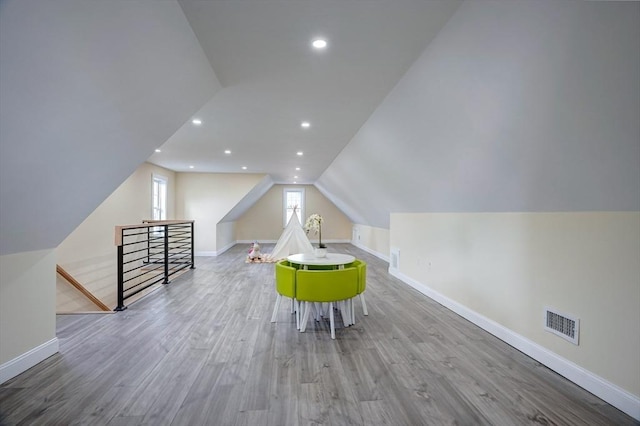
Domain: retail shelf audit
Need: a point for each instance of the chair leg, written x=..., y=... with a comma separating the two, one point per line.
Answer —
x=305, y=316
x=364, y=304
x=333, y=329
x=353, y=311
x=297, y=307
x=345, y=309
x=318, y=310
x=275, y=308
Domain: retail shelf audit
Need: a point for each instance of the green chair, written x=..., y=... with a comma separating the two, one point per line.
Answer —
x=327, y=286
x=361, y=266
x=285, y=278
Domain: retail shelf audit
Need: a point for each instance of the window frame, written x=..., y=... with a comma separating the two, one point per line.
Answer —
x=163, y=182
x=285, y=209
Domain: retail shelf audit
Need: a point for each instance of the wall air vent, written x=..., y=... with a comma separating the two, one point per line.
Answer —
x=562, y=325
x=395, y=258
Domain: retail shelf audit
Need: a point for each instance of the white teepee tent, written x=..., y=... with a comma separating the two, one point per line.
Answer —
x=293, y=240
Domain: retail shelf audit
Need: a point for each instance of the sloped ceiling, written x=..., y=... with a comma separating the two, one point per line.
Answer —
x=515, y=106
x=508, y=106
x=249, y=199
x=87, y=91
x=273, y=80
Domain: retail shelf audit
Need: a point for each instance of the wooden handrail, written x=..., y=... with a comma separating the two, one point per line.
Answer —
x=81, y=288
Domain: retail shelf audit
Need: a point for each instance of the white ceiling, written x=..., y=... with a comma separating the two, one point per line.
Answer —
x=272, y=80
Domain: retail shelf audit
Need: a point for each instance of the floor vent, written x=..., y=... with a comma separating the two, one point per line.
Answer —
x=562, y=325
x=395, y=258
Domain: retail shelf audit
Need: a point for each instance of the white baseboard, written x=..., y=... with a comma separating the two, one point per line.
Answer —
x=22, y=363
x=205, y=254
x=609, y=392
x=259, y=241
x=368, y=250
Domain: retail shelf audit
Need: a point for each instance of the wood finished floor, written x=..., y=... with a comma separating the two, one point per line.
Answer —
x=202, y=351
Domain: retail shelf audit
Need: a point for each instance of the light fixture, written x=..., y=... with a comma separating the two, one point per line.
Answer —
x=227, y=151
x=295, y=177
x=196, y=121
x=305, y=124
x=297, y=168
x=319, y=43
x=244, y=167
x=295, y=181
x=192, y=167
x=300, y=153
x=158, y=150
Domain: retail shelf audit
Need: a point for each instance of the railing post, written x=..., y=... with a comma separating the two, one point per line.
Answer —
x=120, y=306
x=166, y=254
x=148, y=245
x=193, y=263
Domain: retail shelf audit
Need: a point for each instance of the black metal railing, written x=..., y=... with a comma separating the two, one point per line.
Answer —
x=150, y=253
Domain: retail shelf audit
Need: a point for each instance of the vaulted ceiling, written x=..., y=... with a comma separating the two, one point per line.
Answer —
x=273, y=80
x=414, y=106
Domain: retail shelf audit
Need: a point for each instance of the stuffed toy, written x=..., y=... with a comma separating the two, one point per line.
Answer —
x=254, y=252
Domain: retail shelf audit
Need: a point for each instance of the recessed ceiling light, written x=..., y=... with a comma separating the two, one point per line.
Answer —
x=319, y=43
x=300, y=153
x=158, y=150
x=192, y=167
x=196, y=121
x=295, y=181
x=244, y=167
x=227, y=151
x=305, y=124
x=297, y=168
x=295, y=177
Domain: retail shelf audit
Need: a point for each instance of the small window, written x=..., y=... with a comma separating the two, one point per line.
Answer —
x=159, y=199
x=293, y=199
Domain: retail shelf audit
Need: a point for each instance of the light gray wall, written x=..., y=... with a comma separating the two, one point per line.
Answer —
x=508, y=158
x=87, y=91
x=515, y=106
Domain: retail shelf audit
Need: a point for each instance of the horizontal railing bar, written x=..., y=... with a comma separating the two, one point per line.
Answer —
x=174, y=261
x=141, y=275
x=144, y=249
x=158, y=255
x=143, y=242
x=180, y=241
x=141, y=289
x=137, y=259
x=150, y=269
x=174, y=237
x=148, y=273
x=177, y=249
x=178, y=253
x=177, y=257
x=128, y=271
x=173, y=233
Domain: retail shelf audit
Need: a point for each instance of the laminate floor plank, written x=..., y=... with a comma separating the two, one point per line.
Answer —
x=202, y=351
